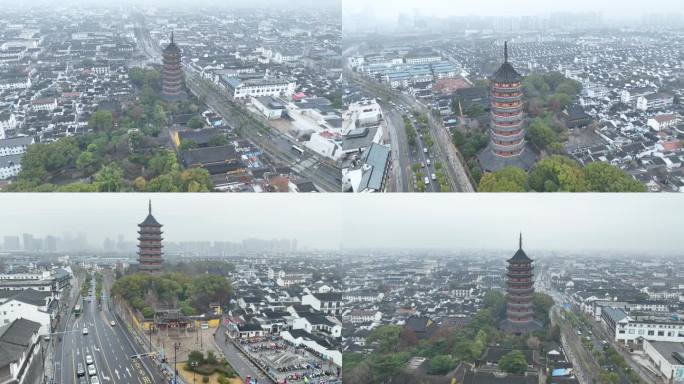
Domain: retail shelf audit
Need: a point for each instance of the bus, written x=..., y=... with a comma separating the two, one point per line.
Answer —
x=298, y=150
x=77, y=309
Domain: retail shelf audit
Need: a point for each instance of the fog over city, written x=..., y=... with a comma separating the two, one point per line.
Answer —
x=556, y=222
x=611, y=9
x=89, y=4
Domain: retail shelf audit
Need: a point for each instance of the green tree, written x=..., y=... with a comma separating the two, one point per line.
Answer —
x=509, y=179
x=101, y=121
x=603, y=177
x=195, y=122
x=86, y=161
x=540, y=134
x=557, y=174
x=387, y=337
x=109, y=179
x=441, y=365
x=513, y=362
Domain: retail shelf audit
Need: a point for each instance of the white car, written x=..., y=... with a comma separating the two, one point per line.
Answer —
x=434, y=177
x=425, y=150
x=91, y=370
x=85, y=331
x=112, y=323
x=429, y=162
x=89, y=359
x=94, y=380
x=427, y=181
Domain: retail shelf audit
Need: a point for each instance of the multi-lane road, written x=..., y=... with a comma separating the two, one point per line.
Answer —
x=108, y=345
x=443, y=149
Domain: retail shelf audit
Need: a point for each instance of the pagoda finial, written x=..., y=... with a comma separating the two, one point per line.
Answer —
x=150, y=206
x=520, y=241
x=505, y=51
x=172, y=36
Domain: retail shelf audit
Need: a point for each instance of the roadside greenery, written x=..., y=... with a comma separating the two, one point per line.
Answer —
x=561, y=174
x=192, y=294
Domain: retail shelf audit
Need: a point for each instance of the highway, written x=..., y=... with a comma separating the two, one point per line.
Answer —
x=325, y=175
x=108, y=346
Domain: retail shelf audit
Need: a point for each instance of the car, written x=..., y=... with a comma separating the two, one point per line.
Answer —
x=91, y=370
x=427, y=181
x=425, y=150
x=434, y=177
x=422, y=165
x=82, y=380
x=46, y=337
x=112, y=323
x=89, y=359
x=429, y=162
x=94, y=380
x=79, y=370
x=85, y=331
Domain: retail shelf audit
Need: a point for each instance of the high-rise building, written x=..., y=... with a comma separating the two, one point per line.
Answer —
x=172, y=73
x=519, y=295
x=507, y=125
x=150, y=244
x=12, y=243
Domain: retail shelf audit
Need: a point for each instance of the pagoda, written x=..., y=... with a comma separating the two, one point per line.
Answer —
x=172, y=72
x=507, y=122
x=519, y=295
x=150, y=244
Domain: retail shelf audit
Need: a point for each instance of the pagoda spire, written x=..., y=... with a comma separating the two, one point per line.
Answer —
x=505, y=51
x=520, y=241
x=172, y=36
x=150, y=207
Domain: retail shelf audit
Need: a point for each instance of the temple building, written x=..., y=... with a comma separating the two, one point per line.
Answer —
x=172, y=72
x=150, y=244
x=519, y=294
x=507, y=125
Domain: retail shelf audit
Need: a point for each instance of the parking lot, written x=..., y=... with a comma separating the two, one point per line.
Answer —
x=287, y=363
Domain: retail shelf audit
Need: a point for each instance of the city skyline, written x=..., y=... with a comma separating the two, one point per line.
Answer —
x=597, y=222
x=611, y=9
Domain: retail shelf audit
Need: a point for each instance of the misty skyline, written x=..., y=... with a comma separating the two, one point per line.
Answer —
x=386, y=10
x=616, y=223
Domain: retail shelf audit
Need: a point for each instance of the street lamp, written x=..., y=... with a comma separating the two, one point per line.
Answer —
x=194, y=365
x=176, y=347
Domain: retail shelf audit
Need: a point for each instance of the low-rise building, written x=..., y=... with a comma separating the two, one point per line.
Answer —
x=245, y=89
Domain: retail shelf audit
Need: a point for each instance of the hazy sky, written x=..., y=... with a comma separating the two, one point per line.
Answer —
x=389, y=9
x=642, y=222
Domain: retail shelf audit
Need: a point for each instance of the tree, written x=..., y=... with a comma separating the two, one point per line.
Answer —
x=86, y=161
x=441, y=365
x=513, y=362
x=109, y=179
x=387, y=337
x=195, y=122
x=542, y=305
x=509, y=179
x=540, y=134
x=147, y=312
x=603, y=177
x=101, y=121
x=557, y=174
x=162, y=162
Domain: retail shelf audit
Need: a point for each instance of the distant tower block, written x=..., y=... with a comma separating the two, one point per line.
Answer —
x=172, y=73
x=519, y=294
x=150, y=244
x=507, y=125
